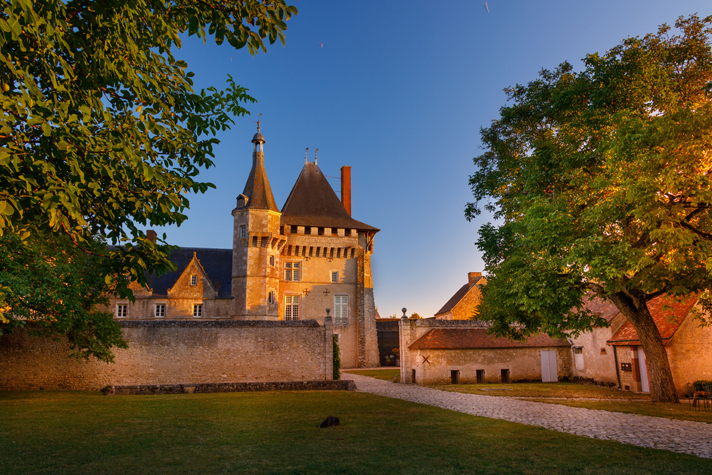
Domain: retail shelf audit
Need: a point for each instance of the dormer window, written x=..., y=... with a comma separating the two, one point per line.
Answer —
x=242, y=201
x=193, y=280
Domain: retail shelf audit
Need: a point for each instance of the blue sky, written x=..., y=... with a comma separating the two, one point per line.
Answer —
x=398, y=91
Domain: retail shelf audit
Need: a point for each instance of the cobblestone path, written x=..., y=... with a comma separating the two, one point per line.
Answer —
x=687, y=437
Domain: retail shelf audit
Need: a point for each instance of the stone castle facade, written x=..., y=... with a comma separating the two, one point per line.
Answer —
x=300, y=263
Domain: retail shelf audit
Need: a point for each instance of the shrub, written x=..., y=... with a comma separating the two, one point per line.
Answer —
x=337, y=359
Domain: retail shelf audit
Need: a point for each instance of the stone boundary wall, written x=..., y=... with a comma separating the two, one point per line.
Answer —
x=175, y=352
x=323, y=385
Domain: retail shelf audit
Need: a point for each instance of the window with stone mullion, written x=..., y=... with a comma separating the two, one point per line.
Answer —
x=291, y=307
x=341, y=309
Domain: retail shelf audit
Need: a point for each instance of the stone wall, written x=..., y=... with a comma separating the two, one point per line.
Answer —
x=175, y=352
x=599, y=363
x=523, y=364
x=433, y=366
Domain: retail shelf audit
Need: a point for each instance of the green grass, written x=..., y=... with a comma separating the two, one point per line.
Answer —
x=544, y=390
x=254, y=433
x=384, y=374
x=680, y=411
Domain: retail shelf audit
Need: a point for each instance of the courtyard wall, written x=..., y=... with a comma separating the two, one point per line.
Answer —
x=175, y=352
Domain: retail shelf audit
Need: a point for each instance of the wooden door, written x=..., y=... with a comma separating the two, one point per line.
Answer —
x=549, y=373
x=643, y=366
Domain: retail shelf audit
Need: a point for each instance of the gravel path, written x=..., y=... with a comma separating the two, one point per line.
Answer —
x=687, y=437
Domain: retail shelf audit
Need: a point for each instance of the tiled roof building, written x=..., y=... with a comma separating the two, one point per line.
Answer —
x=292, y=264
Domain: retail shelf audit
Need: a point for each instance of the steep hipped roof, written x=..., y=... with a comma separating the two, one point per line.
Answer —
x=477, y=338
x=667, y=314
x=217, y=264
x=457, y=297
x=257, y=188
x=312, y=202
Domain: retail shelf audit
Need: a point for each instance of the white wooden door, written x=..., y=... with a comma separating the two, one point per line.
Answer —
x=548, y=366
x=643, y=366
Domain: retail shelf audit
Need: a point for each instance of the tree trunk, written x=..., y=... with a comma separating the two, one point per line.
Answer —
x=635, y=309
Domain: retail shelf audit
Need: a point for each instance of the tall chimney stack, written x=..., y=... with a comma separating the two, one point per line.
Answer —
x=151, y=235
x=346, y=188
x=473, y=277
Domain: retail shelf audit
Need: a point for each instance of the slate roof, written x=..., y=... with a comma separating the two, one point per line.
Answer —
x=667, y=319
x=457, y=297
x=312, y=202
x=257, y=188
x=217, y=264
x=477, y=338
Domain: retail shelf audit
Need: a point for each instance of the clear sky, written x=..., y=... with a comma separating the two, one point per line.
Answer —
x=397, y=90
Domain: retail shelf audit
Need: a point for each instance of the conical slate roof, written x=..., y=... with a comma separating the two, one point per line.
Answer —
x=313, y=202
x=257, y=188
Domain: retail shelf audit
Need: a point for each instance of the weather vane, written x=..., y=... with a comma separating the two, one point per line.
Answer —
x=315, y=152
x=305, y=155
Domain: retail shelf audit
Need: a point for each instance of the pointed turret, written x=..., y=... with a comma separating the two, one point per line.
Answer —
x=257, y=193
x=256, y=244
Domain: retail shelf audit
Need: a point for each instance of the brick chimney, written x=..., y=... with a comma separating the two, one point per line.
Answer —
x=346, y=188
x=151, y=235
x=473, y=277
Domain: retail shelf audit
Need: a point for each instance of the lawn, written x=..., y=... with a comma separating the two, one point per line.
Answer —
x=384, y=374
x=276, y=432
x=544, y=390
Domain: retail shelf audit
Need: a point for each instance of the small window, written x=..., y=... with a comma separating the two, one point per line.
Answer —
x=334, y=276
x=270, y=297
x=291, y=307
x=122, y=310
x=198, y=310
x=341, y=309
x=160, y=310
x=578, y=350
x=271, y=261
x=292, y=271
x=243, y=231
x=193, y=280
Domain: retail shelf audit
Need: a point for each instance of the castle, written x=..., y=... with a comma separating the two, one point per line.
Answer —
x=299, y=263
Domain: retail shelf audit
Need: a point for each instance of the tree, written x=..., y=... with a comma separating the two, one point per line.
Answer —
x=101, y=132
x=601, y=182
x=415, y=316
x=59, y=289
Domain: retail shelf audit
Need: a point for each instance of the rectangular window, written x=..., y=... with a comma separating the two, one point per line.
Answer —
x=243, y=231
x=271, y=261
x=341, y=309
x=193, y=280
x=198, y=310
x=292, y=271
x=122, y=310
x=160, y=310
x=335, y=276
x=291, y=307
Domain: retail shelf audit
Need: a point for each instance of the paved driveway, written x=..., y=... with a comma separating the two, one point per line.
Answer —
x=678, y=436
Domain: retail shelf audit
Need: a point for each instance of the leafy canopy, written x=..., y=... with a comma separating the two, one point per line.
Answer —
x=601, y=182
x=101, y=132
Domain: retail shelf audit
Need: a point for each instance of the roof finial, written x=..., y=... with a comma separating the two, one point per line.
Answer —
x=315, y=152
x=305, y=155
x=258, y=125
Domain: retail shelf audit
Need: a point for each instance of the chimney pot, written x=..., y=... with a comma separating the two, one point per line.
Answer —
x=346, y=188
x=151, y=235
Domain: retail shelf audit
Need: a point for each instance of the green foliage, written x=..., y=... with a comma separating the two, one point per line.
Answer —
x=101, y=132
x=337, y=359
x=600, y=180
x=100, y=129
x=55, y=288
